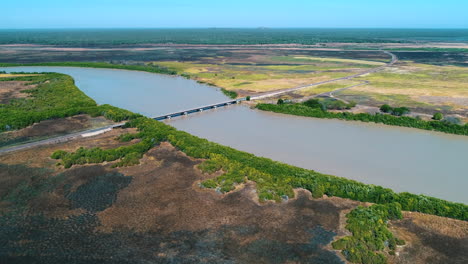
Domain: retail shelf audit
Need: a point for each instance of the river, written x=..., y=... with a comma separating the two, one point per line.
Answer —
x=403, y=159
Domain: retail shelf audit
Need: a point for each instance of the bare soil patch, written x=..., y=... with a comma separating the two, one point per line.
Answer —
x=12, y=89
x=431, y=239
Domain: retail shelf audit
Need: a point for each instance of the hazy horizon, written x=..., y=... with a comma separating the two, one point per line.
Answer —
x=253, y=27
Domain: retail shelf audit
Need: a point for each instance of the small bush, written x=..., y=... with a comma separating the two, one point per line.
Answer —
x=452, y=120
x=386, y=108
x=438, y=116
x=399, y=111
x=59, y=154
x=313, y=103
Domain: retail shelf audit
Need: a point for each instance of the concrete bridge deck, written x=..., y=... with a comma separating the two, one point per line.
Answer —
x=199, y=109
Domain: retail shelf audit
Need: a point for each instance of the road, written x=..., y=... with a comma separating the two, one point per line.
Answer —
x=60, y=139
x=97, y=131
x=331, y=93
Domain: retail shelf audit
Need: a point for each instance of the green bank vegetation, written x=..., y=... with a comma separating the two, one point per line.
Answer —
x=370, y=234
x=230, y=94
x=329, y=104
x=276, y=181
x=279, y=179
x=147, y=67
x=314, y=109
x=396, y=111
x=55, y=96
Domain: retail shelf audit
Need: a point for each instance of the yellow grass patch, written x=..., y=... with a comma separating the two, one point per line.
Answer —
x=319, y=59
x=419, y=80
x=328, y=87
x=7, y=75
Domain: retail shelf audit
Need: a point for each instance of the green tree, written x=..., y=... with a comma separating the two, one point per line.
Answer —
x=399, y=111
x=438, y=116
x=280, y=101
x=313, y=103
x=386, y=108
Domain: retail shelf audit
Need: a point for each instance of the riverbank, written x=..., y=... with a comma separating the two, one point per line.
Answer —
x=404, y=121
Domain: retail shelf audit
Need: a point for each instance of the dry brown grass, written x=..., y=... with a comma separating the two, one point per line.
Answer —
x=441, y=225
x=12, y=89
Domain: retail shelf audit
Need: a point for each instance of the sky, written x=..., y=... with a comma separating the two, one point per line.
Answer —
x=239, y=13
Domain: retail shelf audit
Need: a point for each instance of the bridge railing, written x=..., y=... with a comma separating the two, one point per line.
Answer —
x=198, y=109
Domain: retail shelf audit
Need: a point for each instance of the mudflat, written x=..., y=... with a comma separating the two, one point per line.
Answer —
x=157, y=212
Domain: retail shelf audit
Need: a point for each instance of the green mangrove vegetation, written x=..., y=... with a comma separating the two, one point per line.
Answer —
x=329, y=104
x=138, y=67
x=276, y=180
x=396, y=111
x=311, y=109
x=54, y=96
x=230, y=94
x=370, y=234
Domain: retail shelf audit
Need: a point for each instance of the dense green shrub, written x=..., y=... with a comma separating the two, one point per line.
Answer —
x=55, y=96
x=230, y=94
x=405, y=121
x=399, y=111
x=147, y=67
x=280, y=101
x=386, y=108
x=438, y=116
x=333, y=104
x=313, y=103
x=452, y=120
x=370, y=234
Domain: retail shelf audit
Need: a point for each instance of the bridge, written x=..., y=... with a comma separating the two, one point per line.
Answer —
x=199, y=109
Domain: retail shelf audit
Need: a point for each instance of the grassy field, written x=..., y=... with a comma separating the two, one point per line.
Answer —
x=328, y=87
x=269, y=73
x=422, y=87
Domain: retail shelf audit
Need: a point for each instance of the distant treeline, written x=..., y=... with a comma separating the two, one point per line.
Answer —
x=404, y=121
x=147, y=67
x=107, y=37
x=55, y=96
